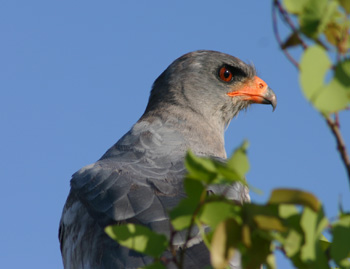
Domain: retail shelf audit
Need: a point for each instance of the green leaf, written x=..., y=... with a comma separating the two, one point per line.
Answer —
x=336, y=95
x=155, y=265
x=259, y=251
x=313, y=224
x=292, y=41
x=325, y=244
x=290, y=196
x=328, y=15
x=194, y=189
x=271, y=261
x=138, y=238
x=202, y=169
x=250, y=211
x=346, y=5
x=313, y=67
x=214, y=213
x=239, y=161
x=322, y=224
x=311, y=16
x=336, y=30
x=227, y=174
x=340, y=247
x=326, y=98
x=308, y=223
x=292, y=243
x=181, y=215
x=295, y=6
x=269, y=223
x=331, y=99
x=225, y=238
x=333, y=33
x=246, y=236
x=344, y=45
x=286, y=211
x=342, y=75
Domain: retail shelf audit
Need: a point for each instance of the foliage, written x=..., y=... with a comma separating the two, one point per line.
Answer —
x=292, y=221
x=324, y=25
x=321, y=28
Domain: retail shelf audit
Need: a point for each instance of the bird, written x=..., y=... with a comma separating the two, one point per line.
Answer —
x=140, y=178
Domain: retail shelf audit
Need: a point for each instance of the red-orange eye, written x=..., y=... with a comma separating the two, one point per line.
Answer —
x=225, y=74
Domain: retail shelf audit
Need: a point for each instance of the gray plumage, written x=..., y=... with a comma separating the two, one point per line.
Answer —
x=139, y=179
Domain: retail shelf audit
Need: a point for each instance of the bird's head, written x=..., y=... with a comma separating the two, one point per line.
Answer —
x=210, y=83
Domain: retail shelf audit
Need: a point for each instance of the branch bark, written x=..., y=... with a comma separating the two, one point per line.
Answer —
x=334, y=126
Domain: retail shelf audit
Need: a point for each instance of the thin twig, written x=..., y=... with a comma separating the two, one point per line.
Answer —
x=188, y=238
x=172, y=249
x=333, y=125
x=336, y=119
x=189, y=230
x=287, y=19
x=278, y=38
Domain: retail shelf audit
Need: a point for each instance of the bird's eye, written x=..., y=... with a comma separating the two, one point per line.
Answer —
x=225, y=74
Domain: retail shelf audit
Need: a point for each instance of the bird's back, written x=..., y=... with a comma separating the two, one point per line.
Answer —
x=129, y=184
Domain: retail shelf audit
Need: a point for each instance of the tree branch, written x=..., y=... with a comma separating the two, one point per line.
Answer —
x=334, y=126
x=287, y=19
x=278, y=38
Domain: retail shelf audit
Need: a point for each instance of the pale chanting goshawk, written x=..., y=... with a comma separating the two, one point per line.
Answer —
x=140, y=178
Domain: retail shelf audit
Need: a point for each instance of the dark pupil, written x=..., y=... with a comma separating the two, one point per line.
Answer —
x=227, y=74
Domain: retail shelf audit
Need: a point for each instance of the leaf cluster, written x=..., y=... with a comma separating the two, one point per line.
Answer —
x=292, y=221
x=323, y=30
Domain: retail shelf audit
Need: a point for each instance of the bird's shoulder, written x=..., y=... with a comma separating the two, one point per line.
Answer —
x=126, y=184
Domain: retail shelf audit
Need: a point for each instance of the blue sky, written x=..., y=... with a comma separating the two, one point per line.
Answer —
x=75, y=76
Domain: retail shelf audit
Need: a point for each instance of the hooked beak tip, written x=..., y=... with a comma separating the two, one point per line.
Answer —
x=270, y=98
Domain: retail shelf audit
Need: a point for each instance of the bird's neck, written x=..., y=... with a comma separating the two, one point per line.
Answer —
x=169, y=135
x=181, y=131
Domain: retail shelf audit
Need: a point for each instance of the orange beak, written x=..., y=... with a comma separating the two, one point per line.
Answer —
x=256, y=91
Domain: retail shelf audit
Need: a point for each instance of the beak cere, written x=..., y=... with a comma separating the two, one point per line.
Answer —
x=255, y=91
